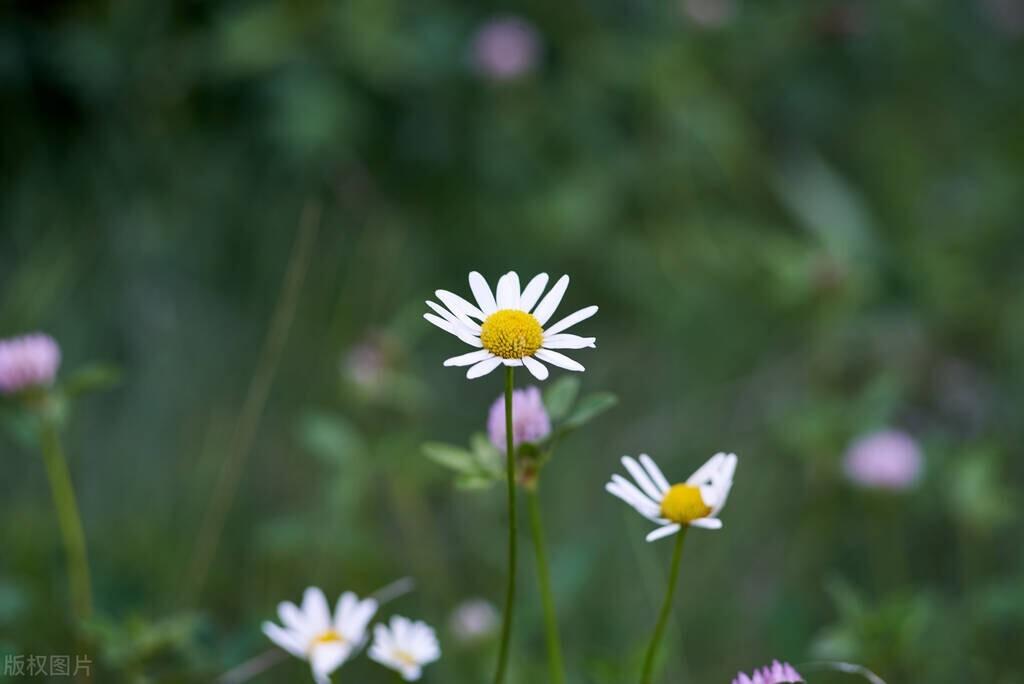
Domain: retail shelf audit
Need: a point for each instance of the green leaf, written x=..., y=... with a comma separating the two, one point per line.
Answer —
x=590, y=407
x=94, y=377
x=560, y=396
x=331, y=438
x=451, y=456
x=487, y=456
x=474, y=481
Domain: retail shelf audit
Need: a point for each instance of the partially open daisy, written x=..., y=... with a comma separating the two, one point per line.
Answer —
x=696, y=502
x=507, y=327
x=311, y=633
x=405, y=646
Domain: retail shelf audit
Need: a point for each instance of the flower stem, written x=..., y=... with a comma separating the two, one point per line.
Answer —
x=555, y=666
x=510, y=471
x=666, y=609
x=68, y=519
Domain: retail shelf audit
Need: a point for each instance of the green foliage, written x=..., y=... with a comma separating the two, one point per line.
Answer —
x=801, y=222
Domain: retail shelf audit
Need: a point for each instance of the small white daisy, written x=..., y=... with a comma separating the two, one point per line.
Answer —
x=312, y=634
x=697, y=502
x=508, y=327
x=405, y=647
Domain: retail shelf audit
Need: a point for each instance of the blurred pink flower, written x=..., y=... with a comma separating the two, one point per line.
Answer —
x=530, y=420
x=28, y=361
x=366, y=363
x=887, y=459
x=474, y=620
x=710, y=13
x=776, y=674
x=505, y=48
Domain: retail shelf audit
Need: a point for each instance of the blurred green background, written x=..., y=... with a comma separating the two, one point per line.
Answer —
x=802, y=222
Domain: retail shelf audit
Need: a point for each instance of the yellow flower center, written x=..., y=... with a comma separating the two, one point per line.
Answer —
x=405, y=658
x=511, y=334
x=328, y=637
x=683, y=504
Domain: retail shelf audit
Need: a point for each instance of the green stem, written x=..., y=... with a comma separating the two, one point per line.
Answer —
x=555, y=666
x=666, y=609
x=68, y=519
x=510, y=472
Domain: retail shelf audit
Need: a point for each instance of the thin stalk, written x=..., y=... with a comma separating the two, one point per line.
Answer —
x=69, y=521
x=666, y=609
x=510, y=472
x=555, y=667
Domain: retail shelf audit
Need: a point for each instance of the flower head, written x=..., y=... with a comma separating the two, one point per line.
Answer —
x=473, y=620
x=28, y=361
x=777, y=673
x=696, y=502
x=405, y=646
x=311, y=633
x=507, y=327
x=888, y=459
x=505, y=48
x=530, y=420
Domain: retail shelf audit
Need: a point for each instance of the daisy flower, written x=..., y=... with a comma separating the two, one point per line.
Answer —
x=507, y=327
x=777, y=673
x=405, y=646
x=696, y=502
x=311, y=633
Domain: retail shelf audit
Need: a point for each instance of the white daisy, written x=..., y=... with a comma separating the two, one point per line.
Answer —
x=696, y=502
x=405, y=647
x=312, y=634
x=508, y=327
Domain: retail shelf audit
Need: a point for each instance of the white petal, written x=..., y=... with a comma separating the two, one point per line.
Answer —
x=515, y=363
x=328, y=657
x=352, y=616
x=706, y=471
x=461, y=319
x=469, y=359
x=292, y=617
x=533, y=291
x=707, y=523
x=551, y=300
x=508, y=291
x=567, y=341
x=630, y=494
x=458, y=306
x=640, y=475
x=411, y=673
x=482, y=292
x=663, y=532
x=455, y=329
x=558, y=359
x=483, y=367
x=316, y=610
x=287, y=640
x=655, y=472
x=536, y=368
x=571, y=320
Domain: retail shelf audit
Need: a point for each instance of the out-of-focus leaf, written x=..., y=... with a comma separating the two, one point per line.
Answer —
x=332, y=438
x=94, y=377
x=470, y=482
x=560, y=396
x=451, y=456
x=590, y=407
x=487, y=455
